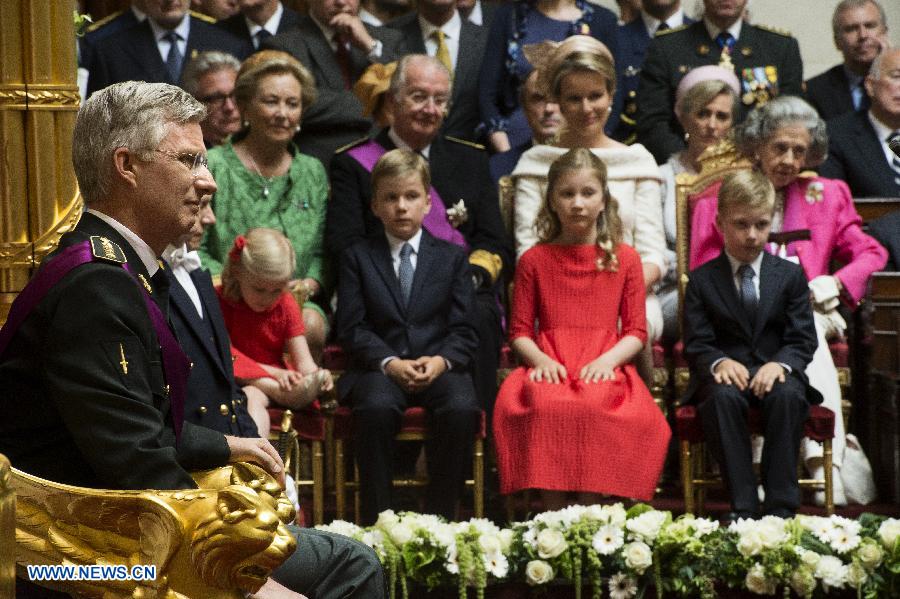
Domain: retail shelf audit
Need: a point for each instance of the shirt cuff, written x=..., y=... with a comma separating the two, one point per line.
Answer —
x=712, y=369
x=786, y=367
x=384, y=363
x=376, y=51
x=448, y=364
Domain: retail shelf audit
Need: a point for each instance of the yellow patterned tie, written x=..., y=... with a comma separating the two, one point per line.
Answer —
x=443, y=53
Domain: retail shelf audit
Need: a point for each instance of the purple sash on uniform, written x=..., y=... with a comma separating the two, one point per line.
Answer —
x=436, y=221
x=175, y=363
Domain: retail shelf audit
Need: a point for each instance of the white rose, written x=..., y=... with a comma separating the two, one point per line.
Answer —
x=889, y=531
x=550, y=543
x=638, y=556
x=856, y=575
x=506, y=538
x=803, y=582
x=870, y=555
x=387, y=519
x=810, y=558
x=646, y=527
x=771, y=532
x=538, y=572
x=757, y=581
x=831, y=571
x=401, y=533
x=750, y=544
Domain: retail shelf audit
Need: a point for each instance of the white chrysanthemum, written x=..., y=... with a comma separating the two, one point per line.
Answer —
x=538, y=572
x=646, y=526
x=772, y=531
x=704, y=526
x=373, y=538
x=750, y=543
x=831, y=571
x=757, y=581
x=608, y=539
x=622, y=586
x=443, y=534
x=843, y=540
x=387, y=519
x=401, y=533
x=638, y=556
x=484, y=526
x=550, y=543
x=529, y=537
x=889, y=531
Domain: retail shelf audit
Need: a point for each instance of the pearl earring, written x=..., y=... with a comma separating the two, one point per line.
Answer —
x=246, y=124
x=297, y=129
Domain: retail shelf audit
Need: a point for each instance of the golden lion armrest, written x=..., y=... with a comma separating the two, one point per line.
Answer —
x=221, y=540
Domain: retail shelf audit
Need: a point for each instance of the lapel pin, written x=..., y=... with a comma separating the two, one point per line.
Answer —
x=702, y=49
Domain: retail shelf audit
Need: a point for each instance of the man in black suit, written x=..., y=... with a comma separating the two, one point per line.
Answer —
x=477, y=12
x=336, y=46
x=404, y=317
x=156, y=49
x=634, y=39
x=766, y=61
x=257, y=21
x=105, y=27
x=438, y=30
x=749, y=335
x=858, y=149
x=85, y=396
x=860, y=31
x=461, y=182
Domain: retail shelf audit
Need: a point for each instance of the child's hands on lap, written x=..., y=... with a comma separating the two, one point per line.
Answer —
x=601, y=369
x=548, y=370
x=765, y=378
x=732, y=372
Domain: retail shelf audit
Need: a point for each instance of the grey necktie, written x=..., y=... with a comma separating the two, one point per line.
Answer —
x=261, y=36
x=174, y=59
x=895, y=161
x=748, y=291
x=405, y=273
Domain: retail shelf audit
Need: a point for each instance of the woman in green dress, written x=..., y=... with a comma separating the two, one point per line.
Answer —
x=264, y=181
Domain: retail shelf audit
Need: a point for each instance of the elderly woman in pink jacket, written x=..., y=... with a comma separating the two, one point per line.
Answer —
x=783, y=138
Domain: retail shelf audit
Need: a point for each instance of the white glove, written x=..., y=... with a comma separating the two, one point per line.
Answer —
x=825, y=293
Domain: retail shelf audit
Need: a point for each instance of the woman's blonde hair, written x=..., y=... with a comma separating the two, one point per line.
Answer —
x=265, y=253
x=609, y=225
x=272, y=62
x=582, y=62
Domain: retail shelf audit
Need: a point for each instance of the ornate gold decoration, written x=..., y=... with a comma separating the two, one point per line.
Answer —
x=222, y=540
x=35, y=96
x=490, y=262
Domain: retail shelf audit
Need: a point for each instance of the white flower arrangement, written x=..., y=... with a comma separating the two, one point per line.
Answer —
x=621, y=553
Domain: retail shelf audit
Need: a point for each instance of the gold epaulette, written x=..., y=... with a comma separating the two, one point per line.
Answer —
x=770, y=29
x=203, y=17
x=107, y=250
x=98, y=24
x=352, y=144
x=464, y=142
x=672, y=30
x=627, y=120
x=630, y=139
x=492, y=263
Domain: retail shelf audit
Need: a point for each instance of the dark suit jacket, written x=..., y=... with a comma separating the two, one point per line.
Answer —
x=673, y=53
x=633, y=42
x=829, y=93
x=132, y=53
x=856, y=155
x=372, y=322
x=458, y=172
x=71, y=413
x=236, y=25
x=716, y=326
x=887, y=231
x=205, y=341
x=464, y=116
x=335, y=118
x=102, y=29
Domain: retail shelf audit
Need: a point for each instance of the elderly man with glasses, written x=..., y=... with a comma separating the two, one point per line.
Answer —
x=210, y=78
x=93, y=379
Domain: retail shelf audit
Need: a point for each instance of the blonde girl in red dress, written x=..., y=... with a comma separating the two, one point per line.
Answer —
x=577, y=417
x=266, y=326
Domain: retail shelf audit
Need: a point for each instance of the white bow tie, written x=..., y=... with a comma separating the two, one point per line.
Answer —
x=190, y=261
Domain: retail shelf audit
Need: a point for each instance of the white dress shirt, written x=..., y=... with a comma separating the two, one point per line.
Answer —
x=182, y=262
x=652, y=23
x=734, y=30
x=183, y=30
x=148, y=258
x=451, y=31
x=476, y=17
x=402, y=145
x=883, y=132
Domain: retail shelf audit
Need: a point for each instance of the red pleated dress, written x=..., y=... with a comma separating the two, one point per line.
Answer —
x=606, y=437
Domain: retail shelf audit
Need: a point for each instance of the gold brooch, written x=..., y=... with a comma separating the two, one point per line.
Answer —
x=457, y=214
x=702, y=49
x=746, y=51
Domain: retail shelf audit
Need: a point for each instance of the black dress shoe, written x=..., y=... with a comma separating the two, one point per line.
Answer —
x=734, y=516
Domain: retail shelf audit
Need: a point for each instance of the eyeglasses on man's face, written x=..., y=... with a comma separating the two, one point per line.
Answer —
x=194, y=161
x=217, y=100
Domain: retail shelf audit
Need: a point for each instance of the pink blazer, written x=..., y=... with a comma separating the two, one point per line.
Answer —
x=825, y=207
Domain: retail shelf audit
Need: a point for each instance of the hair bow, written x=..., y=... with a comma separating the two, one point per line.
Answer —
x=235, y=253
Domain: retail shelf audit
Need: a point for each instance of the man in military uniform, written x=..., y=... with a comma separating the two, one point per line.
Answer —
x=465, y=208
x=634, y=38
x=93, y=381
x=766, y=61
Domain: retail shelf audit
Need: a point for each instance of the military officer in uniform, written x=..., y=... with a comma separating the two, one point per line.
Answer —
x=766, y=61
x=634, y=37
x=93, y=380
x=461, y=185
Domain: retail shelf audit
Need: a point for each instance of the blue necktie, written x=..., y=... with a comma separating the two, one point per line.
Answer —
x=405, y=272
x=725, y=40
x=748, y=291
x=174, y=59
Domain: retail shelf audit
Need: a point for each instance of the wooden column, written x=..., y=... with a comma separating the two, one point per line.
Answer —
x=39, y=199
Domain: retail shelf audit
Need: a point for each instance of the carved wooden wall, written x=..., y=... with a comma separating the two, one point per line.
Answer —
x=38, y=102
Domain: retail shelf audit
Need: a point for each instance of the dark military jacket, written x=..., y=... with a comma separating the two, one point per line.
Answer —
x=82, y=389
x=767, y=63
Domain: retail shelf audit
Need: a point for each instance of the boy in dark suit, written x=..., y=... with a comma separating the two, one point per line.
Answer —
x=404, y=316
x=749, y=335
